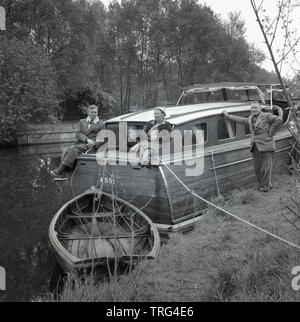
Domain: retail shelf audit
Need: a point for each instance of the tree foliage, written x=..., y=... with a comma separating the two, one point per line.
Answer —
x=27, y=86
x=160, y=46
x=133, y=53
x=280, y=37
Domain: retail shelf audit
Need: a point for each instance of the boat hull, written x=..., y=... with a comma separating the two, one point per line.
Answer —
x=163, y=197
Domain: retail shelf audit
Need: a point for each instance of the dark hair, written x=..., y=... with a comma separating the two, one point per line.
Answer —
x=92, y=107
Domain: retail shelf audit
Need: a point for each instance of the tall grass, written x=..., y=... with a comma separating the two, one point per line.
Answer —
x=89, y=288
x=244, y=197
x=264, y=277
x=220, y=260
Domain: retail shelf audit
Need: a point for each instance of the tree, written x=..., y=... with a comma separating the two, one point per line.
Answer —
x=140, y=52
x=278, y=26
x=27, y=87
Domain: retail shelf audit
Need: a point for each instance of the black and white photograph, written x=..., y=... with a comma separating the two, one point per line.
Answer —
x=149, y=153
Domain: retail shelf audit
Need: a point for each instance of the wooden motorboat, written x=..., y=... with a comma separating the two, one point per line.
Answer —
x=227, y=160
x=95, y=229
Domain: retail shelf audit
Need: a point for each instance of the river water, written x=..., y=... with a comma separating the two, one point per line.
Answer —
x=28, y=201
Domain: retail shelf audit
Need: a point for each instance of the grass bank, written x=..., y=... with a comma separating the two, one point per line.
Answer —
x=222, y=259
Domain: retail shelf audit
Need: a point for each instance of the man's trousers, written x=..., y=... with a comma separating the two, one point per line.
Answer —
x=263, y=164
x=70, y=154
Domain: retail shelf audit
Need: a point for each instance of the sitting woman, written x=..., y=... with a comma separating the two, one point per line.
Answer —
x=149, y=148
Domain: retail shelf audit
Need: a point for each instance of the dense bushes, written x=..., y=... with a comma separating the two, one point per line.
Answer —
x=27, y=87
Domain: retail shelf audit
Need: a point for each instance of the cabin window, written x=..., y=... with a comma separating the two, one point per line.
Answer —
x=243, y=95
x=216, y=96
x=187, y=99
x=202, y=97
x=253, y=95
x=277, y=96
x=236, y=95
x=226, y=129
x=247, y=129
x=132, y=134
x=202, y=127
x=114, y=127
x=193, y=140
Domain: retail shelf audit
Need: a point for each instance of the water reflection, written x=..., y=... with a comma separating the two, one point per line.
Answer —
x=28, y=201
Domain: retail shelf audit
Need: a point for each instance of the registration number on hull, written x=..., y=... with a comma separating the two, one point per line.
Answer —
x=107, y=180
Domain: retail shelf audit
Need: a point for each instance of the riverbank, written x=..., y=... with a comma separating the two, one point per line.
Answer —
x=222, y=259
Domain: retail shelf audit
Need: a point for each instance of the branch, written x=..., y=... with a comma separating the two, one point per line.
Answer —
x=291, y=210
x=295, y=57
x=297, y=205
x=271, y=25
x=253, y=5
x=261, y=3
x=293, y=224
x=277, y=22
x=271, y=52
x=286, y=35
x=283, y=57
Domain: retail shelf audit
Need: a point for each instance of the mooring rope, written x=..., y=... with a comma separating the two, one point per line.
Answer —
x=228, y=213
x=215, y=172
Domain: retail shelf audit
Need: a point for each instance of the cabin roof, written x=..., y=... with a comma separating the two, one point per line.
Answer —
x=236, y=85
x=182, y=114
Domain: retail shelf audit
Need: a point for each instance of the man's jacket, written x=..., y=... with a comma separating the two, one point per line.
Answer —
x=262, y=131
x=88, y=132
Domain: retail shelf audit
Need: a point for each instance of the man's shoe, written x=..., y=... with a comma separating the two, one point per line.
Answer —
x=263, y=189
x=58, y=177
x=58, y=171
x=54, y=173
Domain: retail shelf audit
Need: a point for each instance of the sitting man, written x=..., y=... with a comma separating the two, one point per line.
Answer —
x=86, y=140
x=263, y=127
x=150, y=147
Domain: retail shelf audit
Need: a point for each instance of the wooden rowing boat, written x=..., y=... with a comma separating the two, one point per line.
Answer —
x=95, y=229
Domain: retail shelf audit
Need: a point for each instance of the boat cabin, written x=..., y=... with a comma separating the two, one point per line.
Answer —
x=205, y=117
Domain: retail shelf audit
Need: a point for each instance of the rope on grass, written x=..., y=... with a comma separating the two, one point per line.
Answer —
x=228, y=213
x=215, y=172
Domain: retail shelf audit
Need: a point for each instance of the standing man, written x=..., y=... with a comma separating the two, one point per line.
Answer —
x=85, y=140
x=263, y=127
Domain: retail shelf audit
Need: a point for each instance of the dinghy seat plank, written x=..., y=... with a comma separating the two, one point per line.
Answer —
x=94, y=215
x=106, y=237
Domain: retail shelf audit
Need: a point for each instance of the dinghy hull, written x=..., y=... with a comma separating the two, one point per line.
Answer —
x=96, y=229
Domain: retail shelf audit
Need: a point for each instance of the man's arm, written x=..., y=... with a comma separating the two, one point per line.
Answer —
x=81, y=138
x=237, y=119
